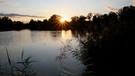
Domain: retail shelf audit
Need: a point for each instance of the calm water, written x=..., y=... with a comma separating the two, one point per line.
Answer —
x=43, y=47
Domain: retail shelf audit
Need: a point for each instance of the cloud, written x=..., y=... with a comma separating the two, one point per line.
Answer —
x=4, y=3
x=19, y=15
x=111, y=9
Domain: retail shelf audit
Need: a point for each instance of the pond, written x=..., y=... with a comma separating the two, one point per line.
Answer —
x=45, y=50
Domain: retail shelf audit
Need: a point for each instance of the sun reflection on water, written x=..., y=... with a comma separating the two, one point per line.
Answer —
x=66, y=34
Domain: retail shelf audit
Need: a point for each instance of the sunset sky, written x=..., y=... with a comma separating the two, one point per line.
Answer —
x=24, y=10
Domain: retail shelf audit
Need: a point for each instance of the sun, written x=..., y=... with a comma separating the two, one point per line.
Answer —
x=63, y=22
x=64, y=19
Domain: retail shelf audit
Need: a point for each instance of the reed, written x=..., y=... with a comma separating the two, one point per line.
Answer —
x=65, y=51
x=20, y=68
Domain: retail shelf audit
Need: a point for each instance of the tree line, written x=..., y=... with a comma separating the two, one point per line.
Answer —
x=91, y=21
x=107, y=49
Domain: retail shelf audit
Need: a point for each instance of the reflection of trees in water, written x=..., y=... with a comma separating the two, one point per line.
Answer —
x=12, y=38
x=6, y=38
x=55, y=34
x=79, y=33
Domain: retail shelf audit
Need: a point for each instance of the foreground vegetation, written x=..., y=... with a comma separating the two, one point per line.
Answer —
x=106, y=48
x=23, y=67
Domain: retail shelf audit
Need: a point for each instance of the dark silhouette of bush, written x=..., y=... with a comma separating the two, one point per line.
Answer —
x=98, y=23
x=5, y=23
x=107, y=48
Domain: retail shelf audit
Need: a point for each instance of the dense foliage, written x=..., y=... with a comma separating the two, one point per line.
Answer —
x=108, y=46
x=96, y=21
x=107, y=49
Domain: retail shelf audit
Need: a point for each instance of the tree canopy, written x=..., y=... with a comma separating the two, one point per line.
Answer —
x=95, y=21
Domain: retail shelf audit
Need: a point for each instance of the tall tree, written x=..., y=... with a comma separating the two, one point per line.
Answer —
x=89, y=16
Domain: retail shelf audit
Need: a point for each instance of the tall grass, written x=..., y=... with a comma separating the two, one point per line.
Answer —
x=20, y=68
x=8, y=56
x=64, y=69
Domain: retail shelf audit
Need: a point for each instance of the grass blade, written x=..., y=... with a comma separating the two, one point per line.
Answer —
x=22, y=54
x=9, y=60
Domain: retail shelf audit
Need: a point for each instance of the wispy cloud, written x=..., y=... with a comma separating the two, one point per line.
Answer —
x=19, y=15
x=7, y=3
x=111, y=9
x=4, y=3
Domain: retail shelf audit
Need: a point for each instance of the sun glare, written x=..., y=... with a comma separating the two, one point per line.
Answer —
x=64, y=19
x=63, y=22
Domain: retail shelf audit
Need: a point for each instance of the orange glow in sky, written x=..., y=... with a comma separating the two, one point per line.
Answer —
x=24, y=10
x=63, y=19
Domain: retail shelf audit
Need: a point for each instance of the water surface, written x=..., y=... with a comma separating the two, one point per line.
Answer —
x=43, y=47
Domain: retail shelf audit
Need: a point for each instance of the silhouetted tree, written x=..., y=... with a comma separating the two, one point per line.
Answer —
x=32, y=24
x=82, y=22
x=75, y=18
x=82, y=18
x=54, y=18
x=18, y=25
x=126, y=15
x=6, y=23
x=89, y=16
x=74, y=22
x=97, y=23
x=54, y=21
x=45, y=25
x=108, y=52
